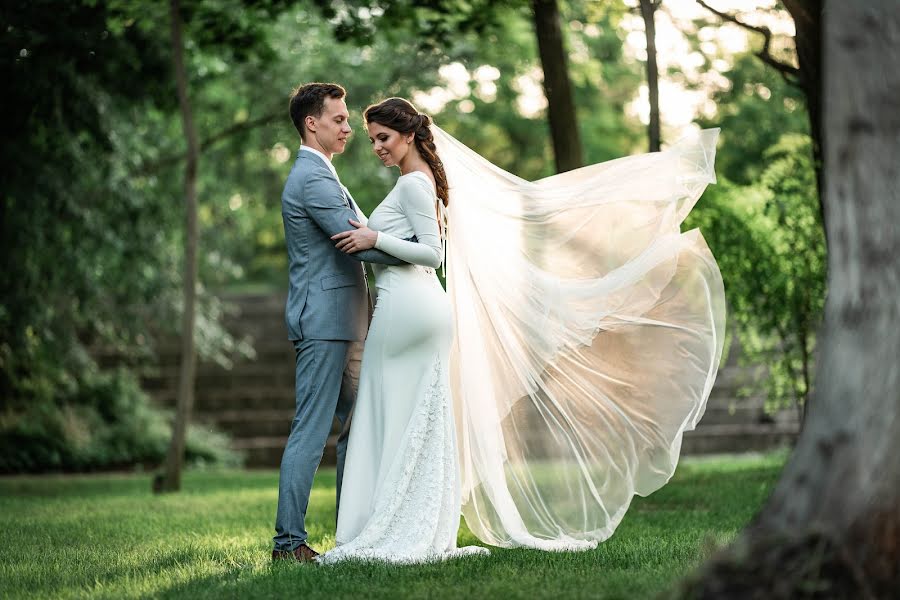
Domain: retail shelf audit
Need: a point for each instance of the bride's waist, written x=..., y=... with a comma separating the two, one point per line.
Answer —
x=405, y=274
x=406, y=270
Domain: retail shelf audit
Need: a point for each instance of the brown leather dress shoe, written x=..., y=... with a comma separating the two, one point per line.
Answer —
x=301, y=553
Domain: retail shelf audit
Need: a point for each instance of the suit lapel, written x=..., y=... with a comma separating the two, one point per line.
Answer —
x=348, y=199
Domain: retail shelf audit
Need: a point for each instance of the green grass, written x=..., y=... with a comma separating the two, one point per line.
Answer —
x=109, y=536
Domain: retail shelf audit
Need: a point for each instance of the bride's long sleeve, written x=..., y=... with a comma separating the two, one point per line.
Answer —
x=417, y=201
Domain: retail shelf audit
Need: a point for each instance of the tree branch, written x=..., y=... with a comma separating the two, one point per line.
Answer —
x=172, y=160
x=790, y=73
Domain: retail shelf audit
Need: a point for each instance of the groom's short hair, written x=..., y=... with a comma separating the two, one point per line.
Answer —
x=309, y=100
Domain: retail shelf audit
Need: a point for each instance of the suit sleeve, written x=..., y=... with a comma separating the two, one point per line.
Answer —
x=360, y=216
x=418, y=204
x=324, y=202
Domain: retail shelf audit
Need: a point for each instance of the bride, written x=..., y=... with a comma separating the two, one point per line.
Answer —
x=578, y=339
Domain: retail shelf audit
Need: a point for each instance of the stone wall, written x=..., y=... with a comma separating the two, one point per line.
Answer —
x=254, y=401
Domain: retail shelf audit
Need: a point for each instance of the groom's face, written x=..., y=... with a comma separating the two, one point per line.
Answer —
x=332, y=128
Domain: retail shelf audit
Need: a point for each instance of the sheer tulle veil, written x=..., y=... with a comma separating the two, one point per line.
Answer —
x=588, y=332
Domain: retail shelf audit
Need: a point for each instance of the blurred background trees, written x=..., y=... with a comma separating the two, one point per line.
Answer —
x=92, y=226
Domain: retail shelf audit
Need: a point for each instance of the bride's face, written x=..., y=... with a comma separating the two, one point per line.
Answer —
x=389, y=145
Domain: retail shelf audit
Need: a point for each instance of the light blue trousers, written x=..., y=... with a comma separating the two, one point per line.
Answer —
x=326, y=380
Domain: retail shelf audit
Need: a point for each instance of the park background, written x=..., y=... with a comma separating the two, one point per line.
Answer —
x=94, y=220
x=144, y=170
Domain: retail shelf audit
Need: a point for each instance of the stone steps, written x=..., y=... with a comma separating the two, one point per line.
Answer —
x=269, y=352
x=250, y=424
x=254, y=400
x=732, y=415
x=265, y=451
x=241, y=398
x=718, y=439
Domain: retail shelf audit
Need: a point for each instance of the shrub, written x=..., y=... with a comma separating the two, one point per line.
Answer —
x=107, y=423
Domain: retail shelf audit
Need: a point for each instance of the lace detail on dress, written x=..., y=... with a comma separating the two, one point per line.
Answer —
x=416, y=514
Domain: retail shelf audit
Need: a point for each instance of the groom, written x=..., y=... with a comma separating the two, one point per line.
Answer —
x=327, y=306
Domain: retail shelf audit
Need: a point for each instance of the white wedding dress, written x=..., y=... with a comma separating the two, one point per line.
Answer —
x=400, y=499
x=578, y=340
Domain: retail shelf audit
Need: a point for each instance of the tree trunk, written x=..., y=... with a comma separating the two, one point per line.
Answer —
x=648, y=11
x=557, y=86
x=806, y=359
x=832, y=526
x=170, y=480
x=807, y=15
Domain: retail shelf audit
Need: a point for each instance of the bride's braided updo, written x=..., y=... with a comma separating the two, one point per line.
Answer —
x=400, y=115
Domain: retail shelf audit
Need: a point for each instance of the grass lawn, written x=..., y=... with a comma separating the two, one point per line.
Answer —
x=109, y=536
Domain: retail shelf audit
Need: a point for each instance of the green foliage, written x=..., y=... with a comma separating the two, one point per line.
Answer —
x=242, y=174
x=769, y=243
x=91, y=215
x=214, y=541
x=94, y=250
x=433, y=25
x=754, y=111
x=605, y=82
x=106, y=423
x=87, y=249
x=798, y=241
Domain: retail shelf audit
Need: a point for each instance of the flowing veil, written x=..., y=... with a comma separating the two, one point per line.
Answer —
x=588, y=332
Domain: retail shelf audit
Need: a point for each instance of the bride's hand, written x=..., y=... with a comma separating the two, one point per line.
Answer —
x=361, y=238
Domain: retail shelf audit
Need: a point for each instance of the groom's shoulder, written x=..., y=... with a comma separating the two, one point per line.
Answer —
x=309, y=178
x=307, y=169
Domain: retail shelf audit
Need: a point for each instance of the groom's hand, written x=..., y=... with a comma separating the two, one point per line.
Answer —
x=361, y=238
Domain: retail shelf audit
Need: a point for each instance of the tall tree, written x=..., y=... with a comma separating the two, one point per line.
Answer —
x=832, y=526
x=648, y=13
x=557, y=86
x=91, y=242
x=441, y=26
x=807, y=15
x=171, y=478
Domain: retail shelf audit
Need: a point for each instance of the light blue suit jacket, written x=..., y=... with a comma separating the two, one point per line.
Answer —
x=328, y=295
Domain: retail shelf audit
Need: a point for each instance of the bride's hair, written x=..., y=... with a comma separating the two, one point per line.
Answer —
x=400, y=115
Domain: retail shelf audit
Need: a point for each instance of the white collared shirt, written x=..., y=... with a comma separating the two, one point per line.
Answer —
x=323, y=157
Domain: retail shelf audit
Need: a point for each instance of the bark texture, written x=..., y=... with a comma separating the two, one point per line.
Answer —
x=170, y=479
x=557, y=86
x=648, y=13
x=807, y=15
x=832, y=526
